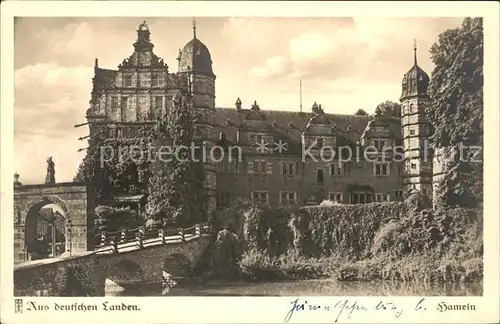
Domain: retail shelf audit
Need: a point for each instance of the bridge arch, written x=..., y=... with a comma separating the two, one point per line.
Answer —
x=125, y=272
x=176, y=264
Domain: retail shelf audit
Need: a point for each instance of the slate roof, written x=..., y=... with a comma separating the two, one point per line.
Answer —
x=103, y=78
x=283, y=120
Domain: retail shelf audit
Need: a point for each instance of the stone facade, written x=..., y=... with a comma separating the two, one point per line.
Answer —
x=77, y=204
x=278, y=177
x=85, y=274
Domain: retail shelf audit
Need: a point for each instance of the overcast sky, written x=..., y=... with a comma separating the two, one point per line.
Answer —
x=345, y=64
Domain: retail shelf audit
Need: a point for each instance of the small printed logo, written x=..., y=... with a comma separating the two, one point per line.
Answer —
x=18, y=306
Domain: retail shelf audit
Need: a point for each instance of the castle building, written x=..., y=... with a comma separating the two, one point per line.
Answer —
x=276, y=157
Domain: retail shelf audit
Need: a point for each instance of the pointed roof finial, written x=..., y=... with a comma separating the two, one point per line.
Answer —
x=194, y=27
x=415, y=51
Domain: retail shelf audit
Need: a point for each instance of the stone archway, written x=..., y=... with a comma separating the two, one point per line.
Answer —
x=177, y=265
x=126, y=272
x=74, y=283
x=75, y=201
x=43, y=230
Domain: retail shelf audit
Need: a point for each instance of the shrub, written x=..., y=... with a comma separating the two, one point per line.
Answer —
x=222, y=258
x=112, y=219
x=391, y=241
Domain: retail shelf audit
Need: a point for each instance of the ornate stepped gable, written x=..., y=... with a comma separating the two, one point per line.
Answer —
x=142, y=60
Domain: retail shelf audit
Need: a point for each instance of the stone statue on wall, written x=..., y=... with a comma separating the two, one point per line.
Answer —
x=51, y=171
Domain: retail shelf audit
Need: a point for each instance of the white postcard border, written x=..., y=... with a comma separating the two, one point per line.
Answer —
x=256, y=309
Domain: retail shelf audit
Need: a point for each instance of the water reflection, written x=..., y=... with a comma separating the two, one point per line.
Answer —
x=303, y=288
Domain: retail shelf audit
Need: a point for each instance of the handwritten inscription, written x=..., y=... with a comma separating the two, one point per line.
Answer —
x=348, y=308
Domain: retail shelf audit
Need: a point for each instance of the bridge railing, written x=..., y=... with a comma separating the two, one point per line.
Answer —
x=140, y=237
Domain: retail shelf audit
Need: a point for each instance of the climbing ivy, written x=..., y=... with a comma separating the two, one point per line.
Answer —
x=456, y=110
x=117, y=165
x=176, y=189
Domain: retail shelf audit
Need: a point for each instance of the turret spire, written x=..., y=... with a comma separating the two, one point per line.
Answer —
x=415, y=51
x=194, y=28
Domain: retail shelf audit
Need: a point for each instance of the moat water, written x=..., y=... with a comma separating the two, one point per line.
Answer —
x=322, y=287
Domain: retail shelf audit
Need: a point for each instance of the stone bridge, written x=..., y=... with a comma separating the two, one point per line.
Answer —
x=135, y=262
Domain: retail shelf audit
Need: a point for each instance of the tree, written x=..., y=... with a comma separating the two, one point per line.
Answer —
x=456, y=110
x=361, y=112
x=112, y=219
x=389, y=109
x=176, y=190
x=89, y=170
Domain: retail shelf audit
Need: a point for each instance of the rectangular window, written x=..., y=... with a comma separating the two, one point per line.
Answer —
x=361, y=198
x=259, y=166
x=288, y=168
x=226, y=167
x=336, y=169
x=381, y=169
x=413, y=165
x=319, y=143
x=412, y=132
x=114, y=102
x=155, y=80
x=128, y=80
x=336, y=197
x=398, y=193
x=347, y=168
x=382, y=197
x=223, y=198
x=288, y=198
x=260, y=197
x=319, y=175
x=158, y=103
x=124, y=107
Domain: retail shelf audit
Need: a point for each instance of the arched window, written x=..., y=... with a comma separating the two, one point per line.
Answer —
x=412, y=108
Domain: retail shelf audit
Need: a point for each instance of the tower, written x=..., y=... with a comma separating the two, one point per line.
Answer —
x=195, y=66
x=416, y=130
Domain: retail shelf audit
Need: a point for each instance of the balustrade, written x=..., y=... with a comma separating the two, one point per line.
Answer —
x=110, y=241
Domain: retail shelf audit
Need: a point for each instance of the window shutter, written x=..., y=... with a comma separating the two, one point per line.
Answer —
x=250, y=167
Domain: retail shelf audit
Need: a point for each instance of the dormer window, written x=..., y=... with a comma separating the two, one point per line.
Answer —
x=379, y=143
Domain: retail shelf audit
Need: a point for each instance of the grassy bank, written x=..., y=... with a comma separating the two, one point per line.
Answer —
x=390, y=241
